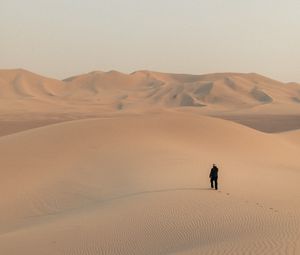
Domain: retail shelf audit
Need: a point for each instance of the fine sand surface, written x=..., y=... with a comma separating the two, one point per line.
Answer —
x=138, y=184
x=113, y=163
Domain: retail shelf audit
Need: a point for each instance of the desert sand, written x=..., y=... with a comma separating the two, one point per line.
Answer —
x=113, y=163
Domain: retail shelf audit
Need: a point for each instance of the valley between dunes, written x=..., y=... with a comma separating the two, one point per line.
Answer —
x=108, y=163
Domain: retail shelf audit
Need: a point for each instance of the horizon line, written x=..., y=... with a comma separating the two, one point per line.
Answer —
x=145, y=70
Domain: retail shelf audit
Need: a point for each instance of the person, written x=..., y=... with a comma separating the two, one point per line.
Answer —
x=214, y=177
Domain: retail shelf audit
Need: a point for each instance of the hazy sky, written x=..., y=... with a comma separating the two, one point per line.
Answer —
x=60, y=38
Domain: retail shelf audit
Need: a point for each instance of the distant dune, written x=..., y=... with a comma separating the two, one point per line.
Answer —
x=21, y=84
x=249, y=99
x=223, y=92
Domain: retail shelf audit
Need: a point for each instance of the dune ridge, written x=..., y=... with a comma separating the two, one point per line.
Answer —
x=29, y=100
x=221, y=92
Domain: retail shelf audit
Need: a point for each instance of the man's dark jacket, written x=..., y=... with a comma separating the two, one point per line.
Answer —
x=214, y=172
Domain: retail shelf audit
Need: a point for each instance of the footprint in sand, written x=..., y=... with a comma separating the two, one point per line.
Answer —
x=274, y=210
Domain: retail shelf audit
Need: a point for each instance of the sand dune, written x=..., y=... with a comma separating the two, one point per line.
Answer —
x=23, y=92
x=249, y=99
x=138, y=184
x=18, y=84
x=114, y=163
x=223, y=92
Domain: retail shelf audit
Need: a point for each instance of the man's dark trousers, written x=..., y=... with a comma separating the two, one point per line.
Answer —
x=212, y=180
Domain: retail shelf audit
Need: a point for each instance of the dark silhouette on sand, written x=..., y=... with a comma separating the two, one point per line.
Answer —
x=214, y=177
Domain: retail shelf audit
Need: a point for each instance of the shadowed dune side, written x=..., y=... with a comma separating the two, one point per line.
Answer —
x=266, y=122
x=137, y=184
x=18, y=84
x=24, y=92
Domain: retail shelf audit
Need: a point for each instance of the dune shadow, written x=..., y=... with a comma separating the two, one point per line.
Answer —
x=97, y=202
x=146, y=192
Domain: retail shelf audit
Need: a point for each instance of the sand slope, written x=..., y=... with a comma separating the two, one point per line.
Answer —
x=138, y=184
x=292, y=136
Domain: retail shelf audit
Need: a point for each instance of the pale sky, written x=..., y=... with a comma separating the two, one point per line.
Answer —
x=60, y=38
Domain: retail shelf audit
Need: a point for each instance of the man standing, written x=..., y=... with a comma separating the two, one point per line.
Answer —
x=214, y=176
